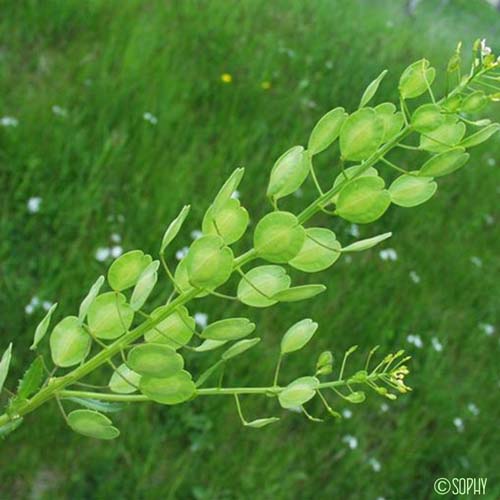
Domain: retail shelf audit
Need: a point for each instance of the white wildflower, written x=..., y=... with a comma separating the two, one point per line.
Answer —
x=180, y=254
x=346, y=413
x=436, y=344
x=384, y=407
x=473, y=409
x=347, y=259
x=102, y=254
x=351, y=441
x=29, y=309
x=459, y=424
x=489, y=219
x=416, y=340
x=9, y=121
x=195, y=234
x=116, y=251
x=235, y=195
x=201, y=319
x=487, y=329
x=46, y=304
x=116, y=238
x=476, y=261
x=485, y=50
x=34, y=204
x=415, y=277
x=149, y=117
x=491, y=162
x=58, y=111
x=375, y=464
x=388, y=254
x=354, y=230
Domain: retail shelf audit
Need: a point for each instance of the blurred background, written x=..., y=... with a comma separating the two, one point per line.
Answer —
x=113, y=114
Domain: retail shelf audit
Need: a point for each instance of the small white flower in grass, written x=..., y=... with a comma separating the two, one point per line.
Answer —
x=102, y=254
x=473, y=409
x=351, y=441
x=9, y=121
x=388, y=254
x=476, y=261
x=459, y=424
x=29, y=309
x=384, y=407
x=485, y=50
x=299, y=193
x=235, y=195
x=34, y=204
x=354, y=230
x=380, y=498
x=180, y=254
x=116, y=251
x=491, y=162
x=347, y=259
x=201, y=319
x=489, y=219
x=58, y=111
x=438, y=347
x=295, y=409
x=116, y=238
x=35, y=301
x=375, y=464
x=487, y=329
x=149, y=117
x=46, y=304
x=415, y=277
x=195, y=234
x=346, y=413
x=416, y=340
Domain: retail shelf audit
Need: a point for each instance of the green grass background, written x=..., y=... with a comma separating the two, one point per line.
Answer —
x=107, y=62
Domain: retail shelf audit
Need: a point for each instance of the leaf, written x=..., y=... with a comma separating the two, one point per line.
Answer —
x=416, y=78
x=299, y=392
x=239, y=348
x=444, y=163
x=97, y=405
x=124, y=379
x=393, y=120
x=326, y=131
x=359, y=246
x=42, y=327
x=145, y=285
x=371, y=90
x=278, y=237
x=298, y=335
x=445, y=137
x=174, y=228
x=356, y=397
x=32, y=379
x=210, y=345
x=261, y=422
x=110, y=316
x=427, y=118
x=228, y=329
x=171, y=390
x=361, y=134
x=410, y=190
x=230, y=222
x=363, y=200
x=155, y=360
x=176, y=330
x=227, y=190
x=209, y=263
x=4, y=365
x=69, y=342
x=260, y=284
x=89, y=299
x=126, y=269
x=288, y=173
x=297, y=293
x=480, y=136
x=92, y=424
x=474, y=102
x=319, y=251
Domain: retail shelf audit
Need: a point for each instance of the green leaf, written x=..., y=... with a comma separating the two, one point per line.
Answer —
x=359, y=246
x=97, y=405
x=110, y=316
x=126, y=269
x=261, y=422
x=371, y=90
x=261, y=283
x=393, y=120
x=363, y=200
x=229, y=329
x=9, y=427
x=239, y=348
x=145, y=285
x=297, y=293
x=356, y=397
x=169, y=391
x=324, y=364
x=209, y=263
x=474, y=102
x=210, y=345
x=298, y=335
x=415, y=79
x=427, y=118
x=445, y=137
x=299, y=392
x=326, y=130
x=230, y=222
x=278, y=237
x=480, y=136
x=174, y=228
x=92, y=424
x=89, y=299
x=42, y=327
x=319, y=251
x=226, y=191
x=361, y=134
x=155, y=360
x=289, y=172
x=444, y=163
x=176, y=330
x=32, y=379
x=4, y=365
x=412, y=190
x=124, y=379
x=69, y=342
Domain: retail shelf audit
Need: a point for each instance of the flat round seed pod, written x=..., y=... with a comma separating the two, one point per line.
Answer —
x=227, y=190
x=350, y=173
x=444, y=163
x=298, y=335
x=174, y=228
x=479, y=137
x=92, y=424
x=319, y=251
x=239, y=348
x=110, y=316
x=359, y=246
x=299, y=392
x=210, y=345
x=326, y=131
x=278, y=237
x=296, y=293
x=87, y=301
x=261, y=422
x=175, y=331
x=361, y=134
x=229, y=329
x=445, y=137
x=182, y=279
x=123, y=380
x=170, y=390
x=126, y=269
x=69, y=342
x=209, y=263
x=427, y=118
x=155, y=360
x=393, y=120
x=474, y=102
x=416, y=79
x=410, y=190
x=261, y=283
x=230, y=222
x=145, y=285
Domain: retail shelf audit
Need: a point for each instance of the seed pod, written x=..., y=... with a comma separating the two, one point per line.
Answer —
x=416, y=78
x=326, y=131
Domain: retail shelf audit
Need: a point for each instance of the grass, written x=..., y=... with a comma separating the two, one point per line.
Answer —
x=103, y=169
